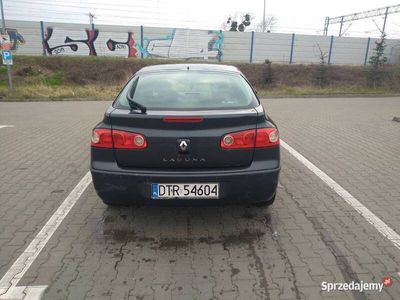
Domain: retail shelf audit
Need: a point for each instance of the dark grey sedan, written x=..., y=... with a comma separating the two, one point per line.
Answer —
x=186, y=133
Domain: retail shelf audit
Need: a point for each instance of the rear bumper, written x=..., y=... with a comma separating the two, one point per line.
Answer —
x=134, y=186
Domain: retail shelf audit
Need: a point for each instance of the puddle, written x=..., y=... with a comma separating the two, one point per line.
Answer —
x=247, y=215
x=120, y=235
x=166, y=244
x=242, y=238
x=109, y=219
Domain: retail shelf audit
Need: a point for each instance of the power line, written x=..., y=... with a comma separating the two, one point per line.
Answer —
x=96, y=6
x=382, y=11
x=128, y=15
x=101, y=13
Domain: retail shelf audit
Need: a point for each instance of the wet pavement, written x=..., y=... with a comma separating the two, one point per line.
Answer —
x=309, y=236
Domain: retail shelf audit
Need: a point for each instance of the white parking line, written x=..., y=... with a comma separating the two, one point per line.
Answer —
x=8, y=284
x=6, y=126
x=381, y=226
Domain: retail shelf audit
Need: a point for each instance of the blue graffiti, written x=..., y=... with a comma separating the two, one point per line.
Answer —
x=185, y=43
x=16, y=38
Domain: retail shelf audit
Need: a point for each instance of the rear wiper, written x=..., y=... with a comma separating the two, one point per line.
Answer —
x=132, y=103
x=135, y=105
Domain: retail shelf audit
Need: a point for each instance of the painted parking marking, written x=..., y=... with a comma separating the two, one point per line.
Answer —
x=371, y=218
x=6, y=126
x=8, y=284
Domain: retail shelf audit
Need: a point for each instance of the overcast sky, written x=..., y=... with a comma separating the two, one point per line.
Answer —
x=305, y=16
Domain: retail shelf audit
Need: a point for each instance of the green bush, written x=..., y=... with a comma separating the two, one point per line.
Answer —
x=376, y=73
x=3, y=70
x=54, y=80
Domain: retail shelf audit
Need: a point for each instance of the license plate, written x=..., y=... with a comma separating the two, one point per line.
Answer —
x=185, y=190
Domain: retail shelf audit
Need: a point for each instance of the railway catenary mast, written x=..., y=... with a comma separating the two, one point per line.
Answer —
x=383, y=11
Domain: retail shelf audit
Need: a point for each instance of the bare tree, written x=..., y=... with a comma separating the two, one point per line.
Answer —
x=237, y=22
x=268, y=26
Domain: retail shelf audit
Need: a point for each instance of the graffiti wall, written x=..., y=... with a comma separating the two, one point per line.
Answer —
x=58, y=41
x=28, y=38
x=16, y=38
x=185, y=43
x=180, y=44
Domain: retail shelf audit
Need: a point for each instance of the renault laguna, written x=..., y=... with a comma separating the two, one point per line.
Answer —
x=186, y=133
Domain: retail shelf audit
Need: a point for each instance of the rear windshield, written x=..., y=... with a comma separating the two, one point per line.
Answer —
x=192, y=90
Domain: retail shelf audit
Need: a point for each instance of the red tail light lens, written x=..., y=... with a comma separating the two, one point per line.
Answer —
x=259, y=138
x=101, y=138
x=128, y=140
x=267, y=137
x=118, y=139
x=239, y=140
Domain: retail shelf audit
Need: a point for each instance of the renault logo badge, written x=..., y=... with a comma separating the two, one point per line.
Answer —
x=183, y=145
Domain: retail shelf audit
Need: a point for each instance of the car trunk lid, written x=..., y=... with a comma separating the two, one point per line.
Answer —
x=184, y=139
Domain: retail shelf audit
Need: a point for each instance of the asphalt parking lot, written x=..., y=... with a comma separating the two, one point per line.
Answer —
x=309, y=236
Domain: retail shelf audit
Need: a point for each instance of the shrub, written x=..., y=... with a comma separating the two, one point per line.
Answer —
x=54, y=80
x=376, y=73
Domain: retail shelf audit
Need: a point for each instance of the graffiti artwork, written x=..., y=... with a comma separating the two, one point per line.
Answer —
x=91, y=36
x=186, y=43
x=16, y=39
x=130, y=44
x=182, y=43
x=88, y=42
x=72, y=44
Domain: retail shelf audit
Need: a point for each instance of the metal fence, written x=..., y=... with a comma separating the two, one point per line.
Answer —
x=47, y=38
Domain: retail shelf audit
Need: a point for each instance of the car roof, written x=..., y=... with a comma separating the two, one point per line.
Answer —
x=195, y=67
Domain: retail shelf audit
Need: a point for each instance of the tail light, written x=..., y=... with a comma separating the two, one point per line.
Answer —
x=117, y=139
x=258, y=138
x=267, y=137
x=101, y=138
x=239, y=140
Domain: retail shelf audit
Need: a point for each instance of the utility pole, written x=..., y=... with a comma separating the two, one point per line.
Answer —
x=91, y=18
x=341, y=26
x=382, y=11
x=384, y=22
x=4, y=31
x=263, y=22
x=326, y=26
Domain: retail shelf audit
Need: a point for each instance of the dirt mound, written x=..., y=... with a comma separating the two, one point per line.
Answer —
x=106, y=71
